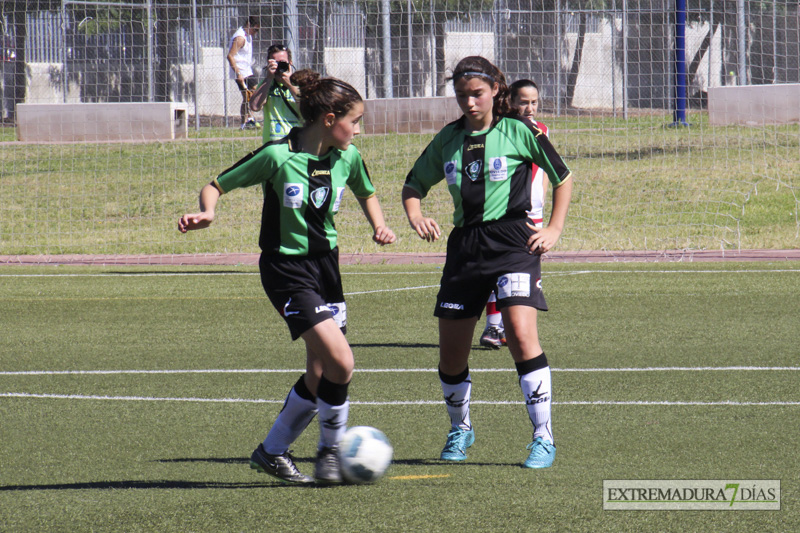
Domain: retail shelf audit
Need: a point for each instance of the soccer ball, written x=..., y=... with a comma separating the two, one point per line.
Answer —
x=364, y=454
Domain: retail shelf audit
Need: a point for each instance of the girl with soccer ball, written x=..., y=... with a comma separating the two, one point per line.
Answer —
x=304, y=176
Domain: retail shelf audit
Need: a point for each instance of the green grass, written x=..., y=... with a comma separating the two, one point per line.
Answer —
x=638, y=186
x=78, y=464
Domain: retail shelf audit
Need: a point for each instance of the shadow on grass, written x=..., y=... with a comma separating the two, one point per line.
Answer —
x=160, y=484
x=312, y=460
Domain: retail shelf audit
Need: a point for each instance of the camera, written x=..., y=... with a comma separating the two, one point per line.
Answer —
x=283, y=66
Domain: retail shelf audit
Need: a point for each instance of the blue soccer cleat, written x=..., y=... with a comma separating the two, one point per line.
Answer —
x=542, y=454
x=458, y=440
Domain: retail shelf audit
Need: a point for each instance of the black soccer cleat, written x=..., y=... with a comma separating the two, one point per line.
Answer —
x=328, y=469
x=280, y=466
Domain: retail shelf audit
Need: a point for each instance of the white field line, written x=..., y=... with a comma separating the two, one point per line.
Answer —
x=392, y=290
x=389, y=370
x=390, y=403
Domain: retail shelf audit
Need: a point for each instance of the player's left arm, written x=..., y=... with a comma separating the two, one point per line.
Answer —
x=372, y=210
x=544, y=239
x=546, y=132
x=548, y=158
x=361, y=185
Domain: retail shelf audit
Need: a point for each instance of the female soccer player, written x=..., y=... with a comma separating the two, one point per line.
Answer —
x=525, y=102
x=485, y=158
x=304, y=176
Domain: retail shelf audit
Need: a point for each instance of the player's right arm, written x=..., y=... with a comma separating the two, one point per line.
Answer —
x=425, y=173
x=208, y=203
x=259, y=97
x=426, y=227
x=254, y=168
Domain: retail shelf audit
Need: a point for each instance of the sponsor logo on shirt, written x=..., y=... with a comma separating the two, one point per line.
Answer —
x=338, y=201
x=474, y=147
x=319, y=196
x=451, y=172
x=498, y=169
x=293, y=195
x=475, y=170
x=320, y=172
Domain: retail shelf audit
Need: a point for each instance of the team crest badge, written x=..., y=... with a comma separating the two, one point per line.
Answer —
x=474, y=170
x=319, y=196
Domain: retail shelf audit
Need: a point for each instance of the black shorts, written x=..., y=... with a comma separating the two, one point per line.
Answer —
x=489, y=257
x=249, y=83
x=305, y=290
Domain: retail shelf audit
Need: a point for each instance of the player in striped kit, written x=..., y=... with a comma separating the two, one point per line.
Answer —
x=485, y=158
x=304, y=177
x=524, y=101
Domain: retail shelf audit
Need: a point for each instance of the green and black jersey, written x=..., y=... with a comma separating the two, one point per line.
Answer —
x=302, y=192
x=281, y=113
x=488, y=173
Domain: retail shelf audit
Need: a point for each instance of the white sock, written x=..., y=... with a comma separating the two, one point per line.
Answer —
x=332, y=422
x=295, y=416
x=456, y=397
x=334, y=408
x=534, y=379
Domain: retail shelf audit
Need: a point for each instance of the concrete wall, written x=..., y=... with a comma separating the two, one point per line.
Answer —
x=217, y=92
x=347, y=64
x=101, y=122
x=599, y=84
x=754, y=105
x=460, y=45
x=409, y=115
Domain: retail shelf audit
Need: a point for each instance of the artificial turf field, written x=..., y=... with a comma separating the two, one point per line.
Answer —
x=131, y=399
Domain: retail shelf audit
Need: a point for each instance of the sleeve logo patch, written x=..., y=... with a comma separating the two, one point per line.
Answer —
x=338, y=201
x=451, y=172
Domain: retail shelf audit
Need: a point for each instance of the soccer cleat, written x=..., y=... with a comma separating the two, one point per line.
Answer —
x=493, y=337
x=280, y=466
x=458, y=440
x=328, y=469
x=542, y=454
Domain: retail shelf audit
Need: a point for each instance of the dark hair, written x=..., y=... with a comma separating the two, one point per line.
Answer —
x=320, y=96
x=480, y=67
x=276, y=47
x=522, y=84
x=253, y=21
